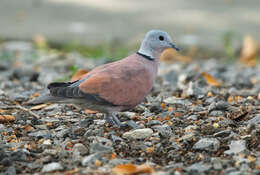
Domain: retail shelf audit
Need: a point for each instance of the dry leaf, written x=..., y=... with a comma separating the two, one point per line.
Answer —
x=249, y=51
x=150, y=149
x=6, y=118
x=98, y=163
x=209, y=94
x=215, y=125
x=38, y=107
x=79, y=74
x=170, y=55
x=170, y=108
x=113, y=156
x=28, y=128
x=88, y=111
x=130, y=169
x=147, y=169
x=36, y=94
x=2, y=111
x=211, y=80
x=40, y=41
x=163, y=105
x=258, y=96
x=251, y=158
x=126, y=169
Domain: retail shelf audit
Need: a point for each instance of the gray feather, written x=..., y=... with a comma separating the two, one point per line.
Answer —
x=45, y=99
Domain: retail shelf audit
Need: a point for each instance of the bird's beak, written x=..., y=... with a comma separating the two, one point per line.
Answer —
x=175, y=47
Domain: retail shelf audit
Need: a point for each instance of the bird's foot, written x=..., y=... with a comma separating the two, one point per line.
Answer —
x=109, y=120
x=113, y=120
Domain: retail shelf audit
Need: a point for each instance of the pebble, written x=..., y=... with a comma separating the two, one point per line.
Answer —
x=194, y=90
x=90, y=159
x=224, y=133
x=193, y=117
x=255, y=120
x=99, y=147
x=199, y=167
x=164, y=130
x=80, y=148
x=208, y=144
x=153, y=122
x=236, y=146
x=138, y=134
x=47, y=142
x=188, y=137
x=42, y=133
x=10, y=171
x=177, y=101
x=54, y=166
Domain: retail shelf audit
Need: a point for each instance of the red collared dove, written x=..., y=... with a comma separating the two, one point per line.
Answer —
x=117, y=86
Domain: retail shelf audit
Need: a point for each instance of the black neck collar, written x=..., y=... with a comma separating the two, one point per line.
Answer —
x=145, y=56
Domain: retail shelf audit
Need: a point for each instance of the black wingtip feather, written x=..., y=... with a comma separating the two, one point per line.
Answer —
x=59, y=84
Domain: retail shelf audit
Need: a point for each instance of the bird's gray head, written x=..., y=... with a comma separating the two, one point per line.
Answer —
x=155, y=42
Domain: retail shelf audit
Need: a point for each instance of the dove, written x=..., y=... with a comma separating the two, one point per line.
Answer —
x=117, y=86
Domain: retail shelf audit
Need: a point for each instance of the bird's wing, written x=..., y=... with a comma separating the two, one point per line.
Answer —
x=119, y=84
x=69, y=91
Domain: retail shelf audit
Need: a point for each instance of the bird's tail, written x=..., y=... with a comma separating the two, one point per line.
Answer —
x=44, y=99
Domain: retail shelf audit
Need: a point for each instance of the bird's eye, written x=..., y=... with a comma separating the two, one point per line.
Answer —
x=161, y=38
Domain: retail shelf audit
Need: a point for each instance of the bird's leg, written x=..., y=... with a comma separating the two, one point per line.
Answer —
x=117, y=121
x=109, y=119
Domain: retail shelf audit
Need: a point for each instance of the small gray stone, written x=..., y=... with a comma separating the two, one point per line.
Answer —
x=50, y=152
x=177, y=101
x=52, y=167
x=191, y=128
x=62, y=133
x=225, y=123
x=2, y=127
x=138, y=134
x=194, y=90
x=10, y=171
x=51, y=107
x=236, y=173
x=255, y=120
x=116, y=139
x=199, y=167
x=193, y=117
x=90, y=159
x=224, y=133
x=131, y=124
x=128, y=114
x=80, y=148
x=164, y=130
x=99, y=147
x=76, y=156
x=153, y=122
x=41, y=133
x=236, y=146
x=114, y=162
x=208, y=144
x=216, y=113
x=188, y=137
x=217, y=164
x=220, y=105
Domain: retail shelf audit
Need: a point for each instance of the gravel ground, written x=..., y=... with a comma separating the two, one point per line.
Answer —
x=185, y=126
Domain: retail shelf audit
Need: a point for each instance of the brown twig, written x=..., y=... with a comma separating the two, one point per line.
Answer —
x=25, y=109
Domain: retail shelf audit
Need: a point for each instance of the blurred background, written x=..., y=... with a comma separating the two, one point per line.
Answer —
x=116, y=26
